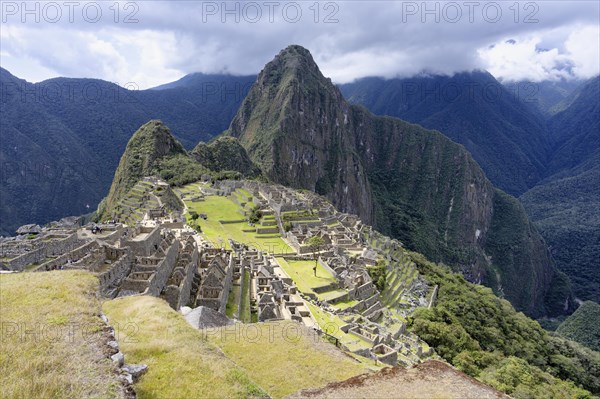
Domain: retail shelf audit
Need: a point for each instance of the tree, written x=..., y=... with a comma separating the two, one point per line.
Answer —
x=315, y=243
x=287, y=226
x=255, y=215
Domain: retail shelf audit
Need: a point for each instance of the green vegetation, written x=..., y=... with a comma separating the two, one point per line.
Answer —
x=315, y=243
x=179, y=170
x=510, y=229
x=565, y=210
x=485, y=337
x=181, y=363
x=231, y=308
x=245, y=306
x=301, y=271
x=149, y=144
x=284, y=357
x=219, y=209
x=583, y=326
x=379, y=275
x=51, y=344
x=225, y=154
x=255, y=214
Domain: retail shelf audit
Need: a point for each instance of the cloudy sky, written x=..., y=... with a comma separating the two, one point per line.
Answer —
x=154, y=42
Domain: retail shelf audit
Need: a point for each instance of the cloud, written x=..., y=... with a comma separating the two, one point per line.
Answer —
x=154, y=42
x=529, y=59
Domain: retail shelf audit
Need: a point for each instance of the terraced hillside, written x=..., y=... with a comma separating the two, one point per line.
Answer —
x=227, y=218
x=228, y=215
x=144, y=197
x=136, y=203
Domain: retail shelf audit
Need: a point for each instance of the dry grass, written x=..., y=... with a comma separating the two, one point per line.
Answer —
x=181, y=363
x=51, y=337
x=284, y=357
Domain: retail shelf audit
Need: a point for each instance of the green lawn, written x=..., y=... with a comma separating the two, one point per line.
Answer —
x=285, y=357
x=245, y=307
x=231, y=309
x=181, y=362
x=244, y=193
x=345, y=304
x=301, y=271
x=223, y=208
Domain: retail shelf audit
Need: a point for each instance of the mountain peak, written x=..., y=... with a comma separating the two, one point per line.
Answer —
x=151, y=144
x=295, y=55
x=298, y=128
x=293, y=64
x=154, y=139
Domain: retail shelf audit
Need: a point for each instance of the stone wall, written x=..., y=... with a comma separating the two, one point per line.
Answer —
x=365, y=291
x=179, y=296
x=34, y=256
x=44, y=250
x=118, y=271
x=186, y=285
x=116, y=234
x=73, y=255
x=325, y=266
x=227, y=285
x=148, y=245
x=267, y=230
x=163, y=270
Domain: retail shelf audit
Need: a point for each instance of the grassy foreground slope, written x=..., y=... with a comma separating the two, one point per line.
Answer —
x=181, y=363
x=51, y=344
x=284, y=357
x=239, y=361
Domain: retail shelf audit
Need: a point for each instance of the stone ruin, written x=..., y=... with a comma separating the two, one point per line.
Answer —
x=171, y=261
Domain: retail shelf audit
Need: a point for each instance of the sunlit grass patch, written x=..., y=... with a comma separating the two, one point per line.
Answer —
x=284, y=357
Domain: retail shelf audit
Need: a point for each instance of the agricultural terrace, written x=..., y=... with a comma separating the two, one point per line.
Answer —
x=227, y=219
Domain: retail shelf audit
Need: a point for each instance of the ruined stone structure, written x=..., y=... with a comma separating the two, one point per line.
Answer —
x=168, y=259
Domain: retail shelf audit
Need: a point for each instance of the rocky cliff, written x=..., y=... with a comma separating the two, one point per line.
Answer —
x=411, y=183
x=294, y=124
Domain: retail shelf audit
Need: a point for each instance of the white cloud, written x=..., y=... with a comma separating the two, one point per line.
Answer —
x=583, y=48
x=382, y=38
x=530, y=58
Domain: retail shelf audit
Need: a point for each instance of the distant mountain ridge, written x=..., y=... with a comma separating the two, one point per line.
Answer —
x=565, y=205
x=548, y=97
x=505, y=137
x=62, y=138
